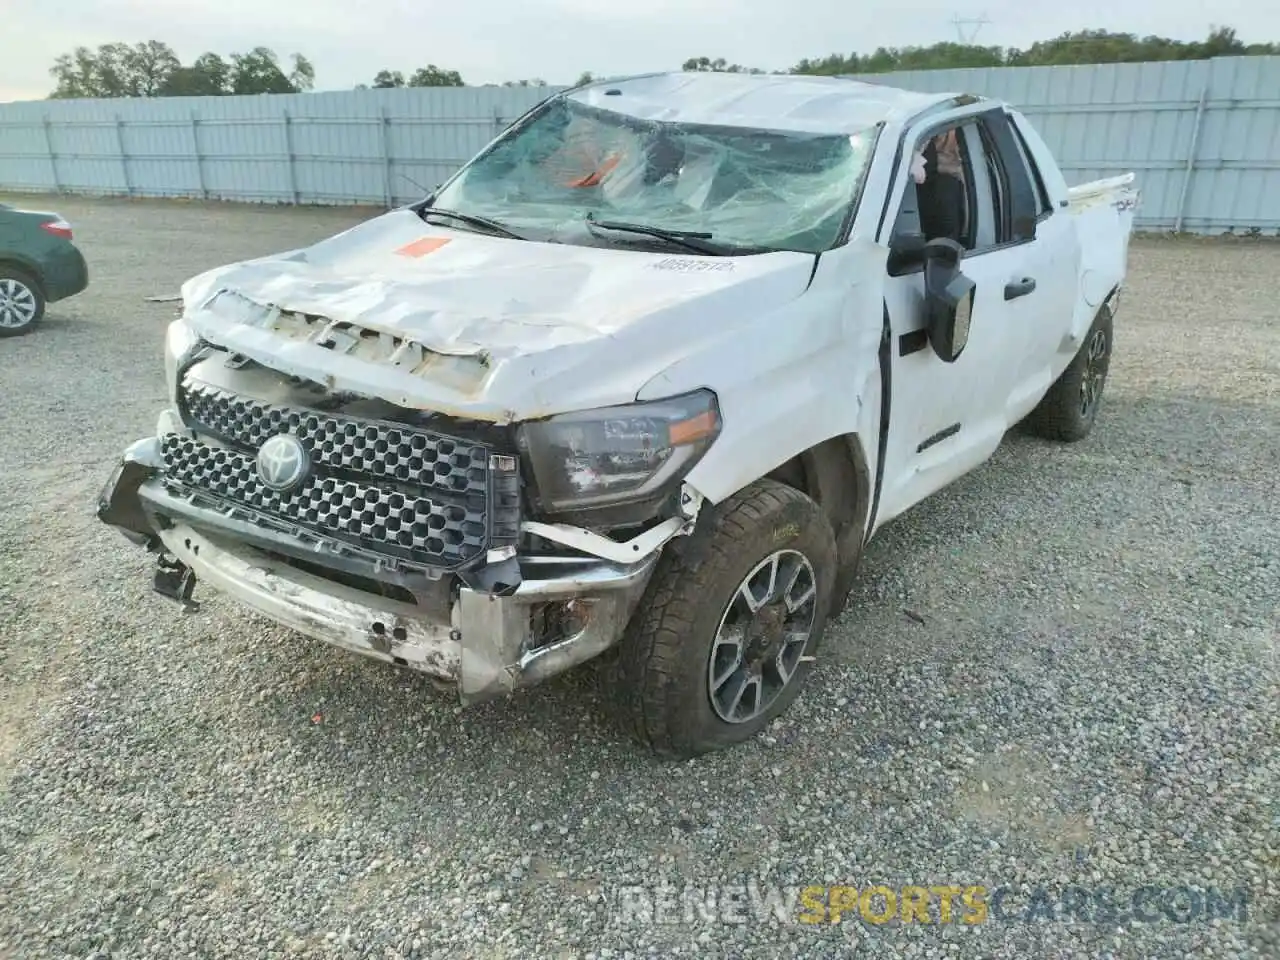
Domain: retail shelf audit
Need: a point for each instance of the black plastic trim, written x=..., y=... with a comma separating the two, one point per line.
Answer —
x=886, y=399
x=1041, y=190
x=913, y=342
x=118, y=504
x=813, y=271
x=938, y=437
x=1023, y=213
x=215, y=520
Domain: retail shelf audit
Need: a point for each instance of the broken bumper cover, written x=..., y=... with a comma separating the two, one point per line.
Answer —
x=483, y=646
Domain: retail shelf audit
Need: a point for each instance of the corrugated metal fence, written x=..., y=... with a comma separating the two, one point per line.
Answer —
x=1203, y=137
x=358, y=146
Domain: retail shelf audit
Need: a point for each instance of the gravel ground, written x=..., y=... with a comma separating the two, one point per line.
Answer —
x=1084, y=692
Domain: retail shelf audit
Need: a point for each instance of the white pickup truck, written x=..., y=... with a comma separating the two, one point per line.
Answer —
x=643, y=377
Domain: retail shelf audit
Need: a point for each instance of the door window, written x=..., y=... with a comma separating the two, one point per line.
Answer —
x=952, y=190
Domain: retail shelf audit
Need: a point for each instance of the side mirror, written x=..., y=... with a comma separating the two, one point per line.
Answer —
x=948, y=299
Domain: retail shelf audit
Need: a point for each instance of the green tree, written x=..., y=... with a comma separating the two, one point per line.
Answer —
x=433, y=76
x=940, y=56
x=152, y=69
x=1101, y=46
x=217, y=72
x=78, y=74
x=718, y=65
x=386, y=79
x=303, y=74
x=114, y=70
x=148, y=66
x=1083, y=46
x=208, y=76
x=259, y=71
x=584, y=77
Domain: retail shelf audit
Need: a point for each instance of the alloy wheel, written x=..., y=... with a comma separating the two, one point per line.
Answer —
x=1095, y=373
x=17, y=303
x=762, y=636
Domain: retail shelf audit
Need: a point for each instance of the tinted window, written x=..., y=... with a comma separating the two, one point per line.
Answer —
x=1019, y=204
x=1033, y=171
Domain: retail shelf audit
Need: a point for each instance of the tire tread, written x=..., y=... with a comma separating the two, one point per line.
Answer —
x=648, y=670
x=1057, y=415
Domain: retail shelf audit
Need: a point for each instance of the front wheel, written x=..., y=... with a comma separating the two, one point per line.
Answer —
x=724, y=638
x=21, y=302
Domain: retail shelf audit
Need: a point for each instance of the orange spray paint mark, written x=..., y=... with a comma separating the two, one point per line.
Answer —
x=420, y=248
x=594, y=179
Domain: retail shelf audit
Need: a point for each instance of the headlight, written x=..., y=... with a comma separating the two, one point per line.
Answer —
x=618, y=455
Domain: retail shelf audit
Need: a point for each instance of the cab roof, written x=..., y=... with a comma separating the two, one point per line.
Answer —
x=789, y=102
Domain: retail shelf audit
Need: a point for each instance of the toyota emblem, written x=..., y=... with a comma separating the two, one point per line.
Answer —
x=283, y=462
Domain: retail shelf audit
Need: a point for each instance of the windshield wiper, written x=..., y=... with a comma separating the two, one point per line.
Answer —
x=470, y=218
x=689, y=239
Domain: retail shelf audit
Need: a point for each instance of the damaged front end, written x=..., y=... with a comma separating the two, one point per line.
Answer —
x=407, y=536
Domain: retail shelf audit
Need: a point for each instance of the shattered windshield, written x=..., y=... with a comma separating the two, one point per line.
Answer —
x=744, y=187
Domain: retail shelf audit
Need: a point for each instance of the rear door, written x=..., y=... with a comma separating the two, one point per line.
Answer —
x=946, y=418
x=1053, y=259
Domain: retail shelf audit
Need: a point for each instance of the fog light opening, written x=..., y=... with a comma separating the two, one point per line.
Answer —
x=558, y=621
x=577, y=617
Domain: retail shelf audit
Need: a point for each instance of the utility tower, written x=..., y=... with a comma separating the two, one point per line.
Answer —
x=967, y=27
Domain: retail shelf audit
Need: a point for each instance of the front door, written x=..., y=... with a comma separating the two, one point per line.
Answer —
x=948, y=417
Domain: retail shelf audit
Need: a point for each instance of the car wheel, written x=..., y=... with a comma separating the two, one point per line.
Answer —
x=723, y=640
x=1070, y=408
x=21, y=302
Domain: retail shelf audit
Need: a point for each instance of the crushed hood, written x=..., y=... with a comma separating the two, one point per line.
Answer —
x=473, y=325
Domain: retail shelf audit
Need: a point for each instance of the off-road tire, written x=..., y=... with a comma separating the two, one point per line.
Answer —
x=1061, y=414
x=659, y=679
x=10, y=274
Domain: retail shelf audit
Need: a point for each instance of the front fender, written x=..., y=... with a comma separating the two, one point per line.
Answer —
x=791, y=378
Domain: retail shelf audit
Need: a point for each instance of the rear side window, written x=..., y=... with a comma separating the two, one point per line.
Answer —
x=1033, y=172
x=1020, y=209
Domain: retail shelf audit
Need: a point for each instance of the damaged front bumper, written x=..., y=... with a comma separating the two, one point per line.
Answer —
x=565, y=610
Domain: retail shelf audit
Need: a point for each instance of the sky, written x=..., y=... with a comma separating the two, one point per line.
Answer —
x=348, y=41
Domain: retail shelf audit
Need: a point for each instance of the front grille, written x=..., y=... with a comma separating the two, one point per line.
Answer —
x=378, y=450
x=394, y=490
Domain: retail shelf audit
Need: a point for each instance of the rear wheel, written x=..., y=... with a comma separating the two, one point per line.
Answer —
x=1070, y=408
x=721, y=644
x=21, y=302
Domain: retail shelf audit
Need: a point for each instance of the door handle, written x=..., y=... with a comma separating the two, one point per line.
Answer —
x=1019, y=288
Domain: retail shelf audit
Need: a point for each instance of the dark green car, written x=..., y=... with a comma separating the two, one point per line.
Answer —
x=38, y=264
